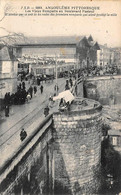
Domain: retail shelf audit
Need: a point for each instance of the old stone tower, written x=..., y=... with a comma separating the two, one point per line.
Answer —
x=77, y=147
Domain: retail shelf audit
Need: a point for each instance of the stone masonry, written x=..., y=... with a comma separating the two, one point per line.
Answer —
x=105, y=89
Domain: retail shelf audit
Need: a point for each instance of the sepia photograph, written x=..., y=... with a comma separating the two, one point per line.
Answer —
x=60, y=97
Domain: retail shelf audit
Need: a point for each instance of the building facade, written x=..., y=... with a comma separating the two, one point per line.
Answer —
x=8, y=72
x=87, y=52
x=74, y=51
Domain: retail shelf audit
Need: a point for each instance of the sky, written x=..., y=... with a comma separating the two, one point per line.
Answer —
x=104, y=29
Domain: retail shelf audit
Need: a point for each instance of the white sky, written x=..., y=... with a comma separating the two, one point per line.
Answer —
x=103, y=29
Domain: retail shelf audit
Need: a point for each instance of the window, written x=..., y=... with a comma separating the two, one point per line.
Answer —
x=114, y=141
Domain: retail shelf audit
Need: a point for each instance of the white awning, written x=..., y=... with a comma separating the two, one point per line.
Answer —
x=66, y=95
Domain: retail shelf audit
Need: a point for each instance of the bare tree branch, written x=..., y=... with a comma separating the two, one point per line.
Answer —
x=5, y=10
x=2, y=18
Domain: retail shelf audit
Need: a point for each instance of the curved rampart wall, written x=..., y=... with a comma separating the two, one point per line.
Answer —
x=77, y=149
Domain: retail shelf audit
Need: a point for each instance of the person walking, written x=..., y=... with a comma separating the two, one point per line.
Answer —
x=41, y=88
x=7, y=110
x=45, y=77
x=23, y=134
x=46, y=111
x=31, y=91
x=35, y=90
x=6, y=99
x=76, y=89
x=28, y=97
x=23, y=85
x=71, y=82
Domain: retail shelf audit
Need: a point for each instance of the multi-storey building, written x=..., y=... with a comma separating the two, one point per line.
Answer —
x=109, y=56
x=117, y=58
x=104, y=56
x=74, y=51
x=87, y=52
x=8, y=72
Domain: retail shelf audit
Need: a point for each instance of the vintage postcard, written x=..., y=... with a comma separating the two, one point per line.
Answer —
x=60, y=97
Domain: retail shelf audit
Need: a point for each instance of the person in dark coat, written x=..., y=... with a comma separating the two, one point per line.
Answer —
x=7, y=111
x=67, y=87
x=23, y=134
x=71, y=83
x=41, y=88
x=35, y=90
x=12, y=98
x=23, y=85
x=31, y=91
x=19, y=85
x=6, y=99
x=56, y=88
x=46, y=111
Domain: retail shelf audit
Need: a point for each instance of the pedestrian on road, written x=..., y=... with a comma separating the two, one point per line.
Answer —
x=46, y=111
x=7, y=110
x=45, y=77
x=41, y=88
x=35, y=90
x=51, y=102
x=23, y=85
x=23, y=134
x=6, y=101
x=31, y=91
x=28, y=97
x=76, y=89
x=71, y=83
x=67, y=87
x=38, y=81
x=56, y=88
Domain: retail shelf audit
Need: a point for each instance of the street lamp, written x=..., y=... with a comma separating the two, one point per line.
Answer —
x=56, y=74
x=87, y=58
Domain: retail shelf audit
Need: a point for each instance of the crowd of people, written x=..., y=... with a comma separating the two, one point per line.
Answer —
x=21, y=96
x=98, y=71
x=69, y=84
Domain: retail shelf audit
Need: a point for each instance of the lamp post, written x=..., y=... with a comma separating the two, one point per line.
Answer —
x=56, y=74
x=88, y=59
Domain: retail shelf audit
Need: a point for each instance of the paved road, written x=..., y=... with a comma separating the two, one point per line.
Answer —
x=27, y=115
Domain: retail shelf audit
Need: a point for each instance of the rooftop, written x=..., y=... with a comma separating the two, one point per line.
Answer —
x=52, y=40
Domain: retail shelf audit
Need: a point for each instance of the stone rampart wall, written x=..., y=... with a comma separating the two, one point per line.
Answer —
x=29, y=165
x=105, y=89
